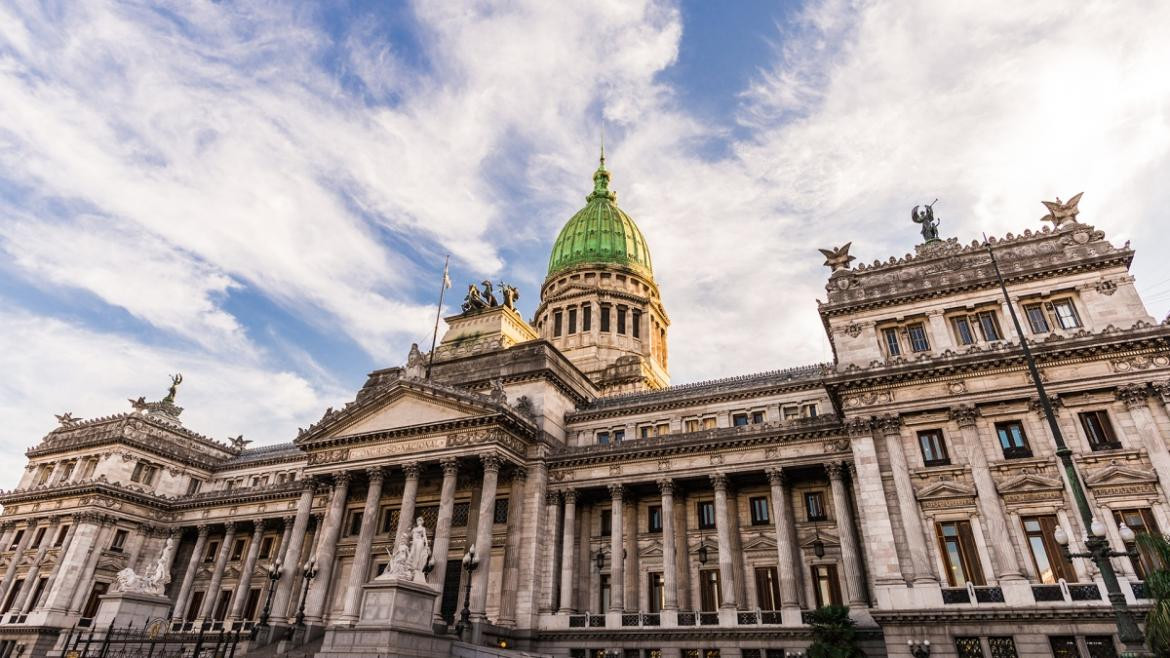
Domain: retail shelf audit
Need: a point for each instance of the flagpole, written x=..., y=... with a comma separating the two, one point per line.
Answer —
x=438, y=312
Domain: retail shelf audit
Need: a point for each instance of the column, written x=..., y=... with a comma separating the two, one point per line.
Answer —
x=940, y=336
x=60, y=560
x=136, y=550
x=873, y=510
x=786, y=541
x=81, y=587
x=24, y=601
x=406, y=512
x=483, y=536
x=10, y=573
x=184, y=598
x=552, y=510
x=920, y=557
x=509, y=590
x=315, y=608
x=291, y=554
x=987, y=497
x=723, y=531
x=532, y=530
x=442, y=544
x=568, y=550
x=361, y=556
x=1136, y=399
x=616, y=571
x=669, y=569
x=850, y=556
x=630, y=567
x=682, y=548
x=225, y=549
x=288, y=522
x=236, y=611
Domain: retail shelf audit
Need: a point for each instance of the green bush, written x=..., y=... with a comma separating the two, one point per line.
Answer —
x=834, y=633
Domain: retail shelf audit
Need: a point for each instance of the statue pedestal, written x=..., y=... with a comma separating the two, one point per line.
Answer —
x=396, y=616
x=134, y=608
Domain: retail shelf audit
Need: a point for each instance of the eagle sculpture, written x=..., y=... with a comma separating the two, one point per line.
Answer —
x=1062, y=213
x=838, y=258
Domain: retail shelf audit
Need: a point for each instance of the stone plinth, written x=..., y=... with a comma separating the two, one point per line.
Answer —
x=134, y=608
x=395, y=620
x=485, y=330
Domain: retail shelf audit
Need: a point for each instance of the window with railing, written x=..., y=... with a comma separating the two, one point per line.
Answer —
x=959, y=553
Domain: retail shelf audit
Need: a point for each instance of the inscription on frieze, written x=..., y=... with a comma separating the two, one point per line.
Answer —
x=399, y=448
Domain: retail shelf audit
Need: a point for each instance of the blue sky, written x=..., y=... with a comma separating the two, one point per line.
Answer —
x=261, y=194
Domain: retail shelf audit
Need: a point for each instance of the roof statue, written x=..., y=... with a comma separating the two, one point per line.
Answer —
x=1062, y=213
x=66, y=419
x=510, y=294
x=838, y=258
x=176, y=379
x=476, y=300
x=138, y=405
x=416, y=363
x=498, y=394
x=238, y=442
x=925, y=217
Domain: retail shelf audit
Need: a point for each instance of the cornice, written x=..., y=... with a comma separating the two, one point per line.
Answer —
x=983, y=614
x=283, y=490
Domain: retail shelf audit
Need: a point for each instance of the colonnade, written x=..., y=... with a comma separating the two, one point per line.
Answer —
x=562, y=509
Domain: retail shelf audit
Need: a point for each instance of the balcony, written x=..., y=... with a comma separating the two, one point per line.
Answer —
x=672, y=619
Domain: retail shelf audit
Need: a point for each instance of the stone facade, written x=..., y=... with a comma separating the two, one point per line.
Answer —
x=913, y=479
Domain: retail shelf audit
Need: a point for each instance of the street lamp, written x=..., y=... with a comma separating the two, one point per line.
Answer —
x=309, y=575
x=818, y=545
x=1127, y=628
x=274, y=574
x=919, y=649
x=600, y=559
x=1097, y=544
x=470, y=562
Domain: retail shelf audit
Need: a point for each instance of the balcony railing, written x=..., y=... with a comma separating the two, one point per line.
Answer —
x=972, y=594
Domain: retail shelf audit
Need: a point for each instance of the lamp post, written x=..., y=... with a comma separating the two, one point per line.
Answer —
x=274, y=573
x=919, y=649
x=309, y=575
x=1127, y=629
x=470, y=562
x=818, y=545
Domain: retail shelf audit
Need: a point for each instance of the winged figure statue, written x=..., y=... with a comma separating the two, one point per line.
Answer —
x=838, y=258
x=925, y=217
x=1061, y=213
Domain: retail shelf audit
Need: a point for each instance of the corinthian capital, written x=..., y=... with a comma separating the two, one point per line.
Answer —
x=964, y=415
x=411, y=470
x=719, y=481
x=491, y=462
x=616, y=491
x=776, y=476
x=1133, y=395
x=450, y=466
x=375, y=474
x=552, y=497
x=666, y=487
x=889, y=425
x=858, y=426
x=835, y=470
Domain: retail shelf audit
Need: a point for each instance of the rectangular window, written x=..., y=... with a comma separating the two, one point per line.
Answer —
x=119, y=543
x=710, y=596
x=193, y=487
x=603, y=587
x=657, y=591
x=1066, y=314
x=739, y=420
x=266, y=548
x=959, y=553
x=662, y=429
x=586, y=317
x=891, y=337
x=1037, y=320
x=61, y=536
x=238, y=550
x=1050, y=562
x=136, y=475
x=1101, y=646
x=66, y=471
x=809, y=410
x=500, y=514
x=636, y=323
x=1013, y=440
x=212, y=549
x=1098, y=430
x=692, y=425
x=1141, y=521
x=709, y=423
x=460, y=515
x=355, y=523
x=603, y=438
x=1064, y=646
x=989, y=325
x=706, y=512
x=969, y=647
x=934, y=449
x=619, y=436
x=825, y=585
x=605, y=319
x=40, y=536
x=572, y=321
x=12, y=594
x=646, y=431
x=558, y=320
x=758, y=417
x=814, y=505
x=791, y=411
x=1003, y=646
x=654, y=518
x=621, y=320
x=963, y=330
x=918, y=341
x=767, y=589
x=759, y=507
x=16, y=539
x=606, y=522
x=389, y=521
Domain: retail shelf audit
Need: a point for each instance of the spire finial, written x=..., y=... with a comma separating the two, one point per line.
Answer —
x=603, y=142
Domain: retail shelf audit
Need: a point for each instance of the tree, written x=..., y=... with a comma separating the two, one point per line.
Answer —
x=834, y=633
x=1156, y=549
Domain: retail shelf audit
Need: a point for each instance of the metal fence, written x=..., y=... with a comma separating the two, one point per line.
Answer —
x=153, y=640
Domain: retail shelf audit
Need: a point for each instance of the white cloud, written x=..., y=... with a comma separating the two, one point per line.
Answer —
x=59, y=367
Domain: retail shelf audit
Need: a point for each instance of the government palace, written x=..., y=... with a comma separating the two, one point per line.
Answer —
x=913, y=479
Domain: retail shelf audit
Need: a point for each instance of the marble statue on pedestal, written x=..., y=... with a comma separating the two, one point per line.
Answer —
x=152, y=582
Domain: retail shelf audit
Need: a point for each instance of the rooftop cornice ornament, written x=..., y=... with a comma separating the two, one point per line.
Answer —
x=838, y=258
x=1061, y=213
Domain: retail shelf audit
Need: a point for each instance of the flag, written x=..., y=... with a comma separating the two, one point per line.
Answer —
x=446, y=279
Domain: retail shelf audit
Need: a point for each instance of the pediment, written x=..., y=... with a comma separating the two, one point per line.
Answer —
x=1115, y=474
x=406, y=409
x=944, y=489
x=653, y=549
x=760, y=542
x=826, y=538
x=1028, y=482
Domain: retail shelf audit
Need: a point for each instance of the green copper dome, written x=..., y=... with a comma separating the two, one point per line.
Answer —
x=600, y=234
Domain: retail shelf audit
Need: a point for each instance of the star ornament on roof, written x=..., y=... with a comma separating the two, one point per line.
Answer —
x=1061, y=213
x=838, y=258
